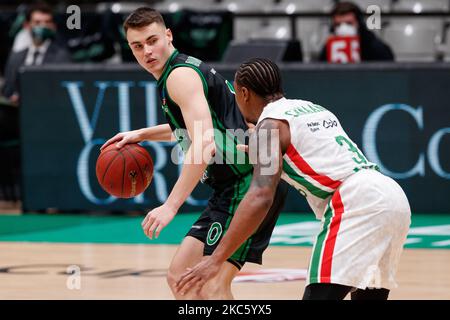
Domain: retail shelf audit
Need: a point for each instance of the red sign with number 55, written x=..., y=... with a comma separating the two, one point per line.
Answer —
x=343, y=49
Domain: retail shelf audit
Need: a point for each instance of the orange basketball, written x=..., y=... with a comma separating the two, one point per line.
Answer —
x=124, y=172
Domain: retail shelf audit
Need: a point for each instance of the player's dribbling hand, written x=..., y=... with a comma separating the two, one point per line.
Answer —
x=123, y=138
x=156, y=220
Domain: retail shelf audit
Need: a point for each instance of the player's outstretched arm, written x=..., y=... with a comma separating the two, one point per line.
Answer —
x=186, y=90
x=272, y=138
x=161, y=132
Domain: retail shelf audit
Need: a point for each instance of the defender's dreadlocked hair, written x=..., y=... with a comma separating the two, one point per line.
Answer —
x=261, y=76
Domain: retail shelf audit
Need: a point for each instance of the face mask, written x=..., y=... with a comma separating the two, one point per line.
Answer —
x=345, y=30
x=40, y=34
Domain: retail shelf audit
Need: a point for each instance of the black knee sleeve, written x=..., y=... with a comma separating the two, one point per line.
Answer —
x=370, y=294
x=326, y=291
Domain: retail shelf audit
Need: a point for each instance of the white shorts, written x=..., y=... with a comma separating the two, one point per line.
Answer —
x=363, y=232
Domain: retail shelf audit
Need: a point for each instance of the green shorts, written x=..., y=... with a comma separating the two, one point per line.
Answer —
x=216, y=218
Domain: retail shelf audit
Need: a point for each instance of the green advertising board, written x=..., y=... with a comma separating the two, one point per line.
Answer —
x=399, y=115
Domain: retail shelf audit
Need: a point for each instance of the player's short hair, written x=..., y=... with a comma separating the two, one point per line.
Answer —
x=38, y=7
x=342, y=8
x=142, y=17
x=261, y=76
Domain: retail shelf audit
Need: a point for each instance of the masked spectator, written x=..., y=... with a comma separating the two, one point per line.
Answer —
x=348, y=21
x=42, y=50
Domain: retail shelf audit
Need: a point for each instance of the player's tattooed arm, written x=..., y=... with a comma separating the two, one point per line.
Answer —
x=267, y=146
x=265, y=154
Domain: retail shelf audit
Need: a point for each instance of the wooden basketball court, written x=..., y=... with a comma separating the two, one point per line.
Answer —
x=31, y=270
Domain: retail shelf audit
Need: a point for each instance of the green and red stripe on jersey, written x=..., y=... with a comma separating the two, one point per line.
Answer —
x=303, y=174
x=322, y=257
x=304, y=167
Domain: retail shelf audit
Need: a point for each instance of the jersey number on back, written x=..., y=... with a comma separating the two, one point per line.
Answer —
x=360, y=158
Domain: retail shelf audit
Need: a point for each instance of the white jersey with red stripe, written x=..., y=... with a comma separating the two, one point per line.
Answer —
x=364, y=225
x=320, y=156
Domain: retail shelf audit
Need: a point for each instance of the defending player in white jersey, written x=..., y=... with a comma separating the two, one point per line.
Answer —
x=365, y=215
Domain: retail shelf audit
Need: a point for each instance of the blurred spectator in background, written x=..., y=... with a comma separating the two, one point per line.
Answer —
x=41, y=50
x=22, y=39
x=348, y=24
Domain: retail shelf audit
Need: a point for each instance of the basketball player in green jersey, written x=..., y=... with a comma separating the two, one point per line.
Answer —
x=191, y=93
